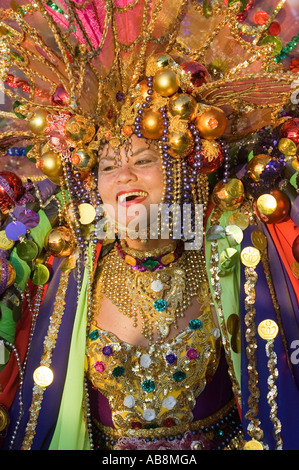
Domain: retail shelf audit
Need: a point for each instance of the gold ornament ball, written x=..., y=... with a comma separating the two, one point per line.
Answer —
x=152, y=124
x=211, y=123
x=84, y=159
x=287, y=147
x=60, y=242
x=79, y=130
x=230, y=195
x=180, y=143
x=158, y=62
x=257, y=165
x=38, y=122
x=166, y=83
x=182, y=105
x=50, y=164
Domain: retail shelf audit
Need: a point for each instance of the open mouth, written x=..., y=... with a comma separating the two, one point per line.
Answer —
x=132, y=197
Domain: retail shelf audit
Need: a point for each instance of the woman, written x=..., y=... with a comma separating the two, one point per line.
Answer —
x=148, y=340
x=140, y=360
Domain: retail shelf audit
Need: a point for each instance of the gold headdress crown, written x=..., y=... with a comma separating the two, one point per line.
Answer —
x=91, y=68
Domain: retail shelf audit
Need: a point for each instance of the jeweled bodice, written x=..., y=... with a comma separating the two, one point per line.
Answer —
x=155, y=386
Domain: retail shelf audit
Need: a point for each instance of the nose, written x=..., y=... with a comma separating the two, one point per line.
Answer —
x=126, y=174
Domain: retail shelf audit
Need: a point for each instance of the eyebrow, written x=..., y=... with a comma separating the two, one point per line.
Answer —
x=136, y=153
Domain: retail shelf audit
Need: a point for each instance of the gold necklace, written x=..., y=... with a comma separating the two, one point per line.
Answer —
x=159, y=297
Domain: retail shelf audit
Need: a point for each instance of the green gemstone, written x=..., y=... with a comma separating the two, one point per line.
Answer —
x=218, y=433
x=179, y=375
x=148, y=386
x=118, y=371
x=93, y=335
x=150, y=263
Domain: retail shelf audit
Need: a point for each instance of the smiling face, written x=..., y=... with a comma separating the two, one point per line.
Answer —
x=131, y=187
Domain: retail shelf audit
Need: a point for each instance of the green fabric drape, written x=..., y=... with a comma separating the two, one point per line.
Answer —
x=230, y=286
x=71, y=430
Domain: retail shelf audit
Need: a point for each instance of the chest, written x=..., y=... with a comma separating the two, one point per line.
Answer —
x=128, y=329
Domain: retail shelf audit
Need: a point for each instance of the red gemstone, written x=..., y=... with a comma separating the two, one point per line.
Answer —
x=260, y=17
x=168, y=422
x=290, y=130
x=274, y=29
x=199, y=74
x=136, y=425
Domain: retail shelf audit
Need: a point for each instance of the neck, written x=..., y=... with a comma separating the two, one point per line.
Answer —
x=147, y=245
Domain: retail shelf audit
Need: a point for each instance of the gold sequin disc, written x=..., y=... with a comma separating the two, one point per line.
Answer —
x=259, y=240
x=253, y=445
x=250, y=256
x=43, y=376
x=268, y=329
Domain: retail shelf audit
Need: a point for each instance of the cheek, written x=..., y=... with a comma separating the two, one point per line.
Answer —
x=104, y=188
x=156, y=185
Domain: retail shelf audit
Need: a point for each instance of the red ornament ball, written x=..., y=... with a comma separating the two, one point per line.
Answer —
x=295, y=249
x=199, y=74
x=280, y=213
x=11, y=189
x=208, y=163
x=290, y=130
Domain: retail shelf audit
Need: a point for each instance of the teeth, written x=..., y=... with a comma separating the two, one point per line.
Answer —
x=123, y=197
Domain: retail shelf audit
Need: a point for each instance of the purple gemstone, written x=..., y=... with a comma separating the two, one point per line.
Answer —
x=171, y=358
x=119, y=96
x=107, y=351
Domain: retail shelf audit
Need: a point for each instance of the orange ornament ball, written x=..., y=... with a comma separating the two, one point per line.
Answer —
x=151, y=124
x=60, y=242
x=182, y=105
x=212, y=123
x=180, y=143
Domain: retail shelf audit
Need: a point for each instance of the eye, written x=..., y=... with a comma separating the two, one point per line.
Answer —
x=143, y=161
x=108, y=168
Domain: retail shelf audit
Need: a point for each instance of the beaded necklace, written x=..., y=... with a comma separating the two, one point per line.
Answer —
x=158, y=292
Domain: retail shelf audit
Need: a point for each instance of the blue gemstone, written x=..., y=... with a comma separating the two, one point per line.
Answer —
x=93, y=335
x=148, y=386
x=160, y=305
x=195, y=324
